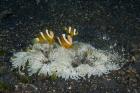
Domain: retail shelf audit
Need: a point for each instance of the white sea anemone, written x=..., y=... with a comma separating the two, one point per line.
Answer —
x=79, y=61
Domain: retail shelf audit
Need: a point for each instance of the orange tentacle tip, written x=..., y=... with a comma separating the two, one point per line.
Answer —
x=71, y=31
x=43, y=37
x=65, y=41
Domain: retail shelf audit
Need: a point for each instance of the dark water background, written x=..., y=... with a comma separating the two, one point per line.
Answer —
x=116, y=20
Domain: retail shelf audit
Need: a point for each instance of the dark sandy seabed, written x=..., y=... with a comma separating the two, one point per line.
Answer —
x=118, y=20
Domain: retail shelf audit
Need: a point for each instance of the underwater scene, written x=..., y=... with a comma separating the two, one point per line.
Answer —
x=69, y=46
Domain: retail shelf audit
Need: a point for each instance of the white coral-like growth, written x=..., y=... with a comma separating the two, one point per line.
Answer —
x=79, y=61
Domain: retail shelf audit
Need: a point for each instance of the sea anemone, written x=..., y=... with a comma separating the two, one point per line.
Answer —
x=71, y=63
x=66, y=59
